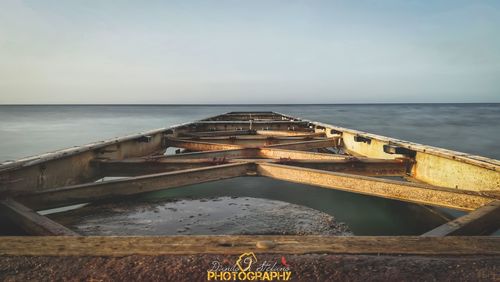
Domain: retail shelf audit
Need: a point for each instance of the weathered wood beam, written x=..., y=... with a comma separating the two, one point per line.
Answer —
x=247, y=116
x=275, y=153
x=238, y=244
x=129, y=186
x=218, y=154
x=290, y=133
x=255, y=122
x=253, y=141
x=217, y=133
x=289, y=139
x=224, y=143
x=30, y=221
x=391, y=189
x=307, y=145
x=482, y=221
x=142, y=166
x=250, y=125
x=362, y=166
x=199, y=146
x=264, y=152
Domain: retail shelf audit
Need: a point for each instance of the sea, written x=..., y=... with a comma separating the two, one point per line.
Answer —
x=27, y=130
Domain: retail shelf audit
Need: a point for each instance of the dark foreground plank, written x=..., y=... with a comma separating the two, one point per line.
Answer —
x=30, y=221
x=224, y=244
x=482, y=221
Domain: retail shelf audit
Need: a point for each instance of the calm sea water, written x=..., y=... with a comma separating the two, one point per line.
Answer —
x=471, y=128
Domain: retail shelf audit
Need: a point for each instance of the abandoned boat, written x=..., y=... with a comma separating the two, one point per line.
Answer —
x=267, y=144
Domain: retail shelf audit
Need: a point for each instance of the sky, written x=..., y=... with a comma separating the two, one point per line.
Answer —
x=257, y=52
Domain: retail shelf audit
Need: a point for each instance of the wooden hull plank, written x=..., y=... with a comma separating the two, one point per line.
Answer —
x=391, y=189
x=129, y=186
x=368, y=167
x=143, y=166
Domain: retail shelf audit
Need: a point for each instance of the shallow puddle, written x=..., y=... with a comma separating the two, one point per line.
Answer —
x=211, y=216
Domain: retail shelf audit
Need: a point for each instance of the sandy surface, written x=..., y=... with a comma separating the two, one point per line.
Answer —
x=212, y=216
x=304, y=268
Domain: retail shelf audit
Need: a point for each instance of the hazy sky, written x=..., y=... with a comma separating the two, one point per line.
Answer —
x=249, y=51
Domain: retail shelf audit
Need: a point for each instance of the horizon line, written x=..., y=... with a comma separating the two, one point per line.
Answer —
x=241, y=104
